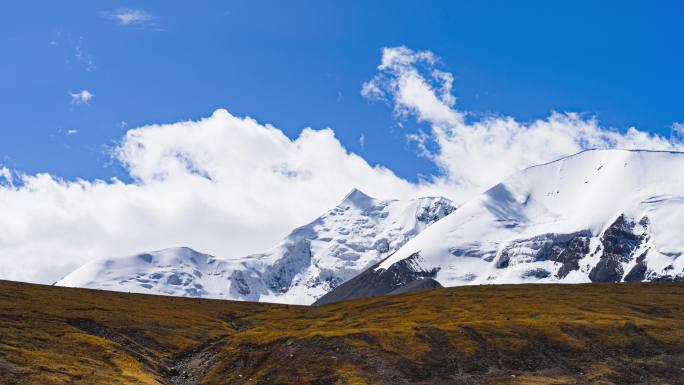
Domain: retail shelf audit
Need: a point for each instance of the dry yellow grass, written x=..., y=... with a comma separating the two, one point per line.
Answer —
x=521, y=334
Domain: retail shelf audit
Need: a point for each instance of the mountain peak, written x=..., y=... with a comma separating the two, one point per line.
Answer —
x=357, y=198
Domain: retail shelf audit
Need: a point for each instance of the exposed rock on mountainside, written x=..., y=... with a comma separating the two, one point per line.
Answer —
x=597, y=216
x=308, y=263
x=405, y=274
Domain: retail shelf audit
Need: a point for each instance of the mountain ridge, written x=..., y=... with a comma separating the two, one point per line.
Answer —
x=310, y=261
x=596, y=216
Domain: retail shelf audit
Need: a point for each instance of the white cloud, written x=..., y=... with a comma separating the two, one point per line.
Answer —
x=128, y=16
x=231, y=186
x=224, y=185
x=72, y=132
x=6, y=175
x=677, y=134
x=475, y=155
x=362, y=140
x=132, y=17
x=81, y=97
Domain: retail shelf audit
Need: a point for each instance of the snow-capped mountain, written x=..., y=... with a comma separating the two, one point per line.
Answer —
x=308, y=263
x=597, y=216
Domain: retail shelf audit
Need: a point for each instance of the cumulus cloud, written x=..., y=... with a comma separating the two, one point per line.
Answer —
x=473, y=155
x=81, y=97
x=224, y=185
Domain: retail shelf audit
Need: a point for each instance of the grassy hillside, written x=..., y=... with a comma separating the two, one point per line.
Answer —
x=523, y=334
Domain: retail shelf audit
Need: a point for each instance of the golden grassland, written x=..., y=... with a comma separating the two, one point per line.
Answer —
x=511, y=334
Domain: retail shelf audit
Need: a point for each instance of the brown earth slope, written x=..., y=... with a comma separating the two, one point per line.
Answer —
x=522, y=334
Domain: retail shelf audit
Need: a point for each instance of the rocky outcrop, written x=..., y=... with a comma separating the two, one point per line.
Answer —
x=311, y=261
x=375, y=281
x=618, y=243
x=566, y=249
x=436, y=210
x=416, y=286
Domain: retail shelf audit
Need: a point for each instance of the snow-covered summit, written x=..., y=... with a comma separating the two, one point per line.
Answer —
x=179, y=271
x=357, y=198
x=309, y=262
x=597, y=216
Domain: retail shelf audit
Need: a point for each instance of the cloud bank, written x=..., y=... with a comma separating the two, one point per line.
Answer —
x=225, y=185
x=477, y=154
x=231, y=186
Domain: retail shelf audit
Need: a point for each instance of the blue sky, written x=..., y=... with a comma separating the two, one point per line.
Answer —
x=303, y=64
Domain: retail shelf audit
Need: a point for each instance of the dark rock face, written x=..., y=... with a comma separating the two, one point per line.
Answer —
x=436, y=211
x=415, y=286
x=567, y=249
x=638, y=272
x=607, y=270
x=239, y=283
x=576, y=249
x=372, y=283
x=668, y=278
x=537, y=273
x=618, y=243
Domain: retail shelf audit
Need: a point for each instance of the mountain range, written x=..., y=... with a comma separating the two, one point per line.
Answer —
x=596, y=216
x=311, y=261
